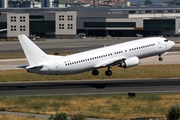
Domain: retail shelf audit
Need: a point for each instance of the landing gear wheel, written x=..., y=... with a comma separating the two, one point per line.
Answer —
x=95, y=72
x=108, y=72
x=160, y=59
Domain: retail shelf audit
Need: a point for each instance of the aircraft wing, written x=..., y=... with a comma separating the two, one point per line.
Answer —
x=2, y=30
x=110, y=62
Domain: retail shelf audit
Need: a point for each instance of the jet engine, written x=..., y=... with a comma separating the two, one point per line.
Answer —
x=130, y=62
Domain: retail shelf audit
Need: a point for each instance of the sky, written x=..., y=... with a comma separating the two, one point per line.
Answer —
x=142, y=1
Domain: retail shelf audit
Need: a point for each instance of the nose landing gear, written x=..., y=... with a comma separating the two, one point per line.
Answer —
x=160, y=58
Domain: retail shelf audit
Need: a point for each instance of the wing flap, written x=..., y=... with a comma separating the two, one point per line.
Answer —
x=109, y=62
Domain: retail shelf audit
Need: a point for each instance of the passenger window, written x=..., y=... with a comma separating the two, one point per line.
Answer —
x=165, y=40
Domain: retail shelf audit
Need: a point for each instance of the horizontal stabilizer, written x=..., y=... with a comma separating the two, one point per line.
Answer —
x=34, y=66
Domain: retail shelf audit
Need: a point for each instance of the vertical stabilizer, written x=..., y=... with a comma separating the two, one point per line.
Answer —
x=33, y=53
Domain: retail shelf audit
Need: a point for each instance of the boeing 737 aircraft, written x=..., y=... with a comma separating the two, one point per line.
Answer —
x=122, y=55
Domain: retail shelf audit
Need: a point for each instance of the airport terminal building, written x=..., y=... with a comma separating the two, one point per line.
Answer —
x=93, y=21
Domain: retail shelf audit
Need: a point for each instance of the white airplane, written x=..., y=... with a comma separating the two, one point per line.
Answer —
x=1, y=30
x=122, y=55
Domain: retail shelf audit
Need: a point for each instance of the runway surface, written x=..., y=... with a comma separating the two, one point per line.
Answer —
x=171, y=85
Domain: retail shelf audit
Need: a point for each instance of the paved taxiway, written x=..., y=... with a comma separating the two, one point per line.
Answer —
x=163, y=85
x=70, y=45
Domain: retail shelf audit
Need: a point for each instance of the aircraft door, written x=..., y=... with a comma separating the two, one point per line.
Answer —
x=57, y=67
x=159, y=44
x=166, y=45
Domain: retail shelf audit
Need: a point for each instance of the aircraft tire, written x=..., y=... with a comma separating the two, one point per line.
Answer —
x=108, y=72
x=95, y=72
x=160, y=59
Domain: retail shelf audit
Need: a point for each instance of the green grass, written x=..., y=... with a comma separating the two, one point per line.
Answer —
x=114, y=106
x=141, y=71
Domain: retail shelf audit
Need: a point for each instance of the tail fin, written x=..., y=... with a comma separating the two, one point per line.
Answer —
x=33, y=53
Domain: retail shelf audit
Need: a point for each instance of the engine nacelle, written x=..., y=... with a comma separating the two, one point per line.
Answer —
x=130, y=62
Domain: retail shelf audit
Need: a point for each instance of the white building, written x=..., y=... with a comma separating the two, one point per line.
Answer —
x=93, y=21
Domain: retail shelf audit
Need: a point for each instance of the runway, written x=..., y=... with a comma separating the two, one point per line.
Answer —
x=164, y=85
x=92, y=86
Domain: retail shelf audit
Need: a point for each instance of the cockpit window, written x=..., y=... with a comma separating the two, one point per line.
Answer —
x=165, y=40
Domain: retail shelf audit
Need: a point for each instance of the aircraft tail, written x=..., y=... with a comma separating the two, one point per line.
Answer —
x=33, y=53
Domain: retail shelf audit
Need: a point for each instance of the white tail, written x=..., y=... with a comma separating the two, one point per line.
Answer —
x=33, y=53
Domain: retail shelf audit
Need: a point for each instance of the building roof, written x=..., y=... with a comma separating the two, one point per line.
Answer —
x=91, y=8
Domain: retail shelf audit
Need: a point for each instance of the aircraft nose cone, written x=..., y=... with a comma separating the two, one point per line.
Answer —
x=172, y=43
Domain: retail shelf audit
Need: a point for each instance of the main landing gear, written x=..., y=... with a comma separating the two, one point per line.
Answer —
x=95, y=72
x=108, y=72
x=160, y=58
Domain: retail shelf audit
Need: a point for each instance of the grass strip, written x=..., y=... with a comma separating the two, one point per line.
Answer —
x=141, y=71
x=116, y=106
